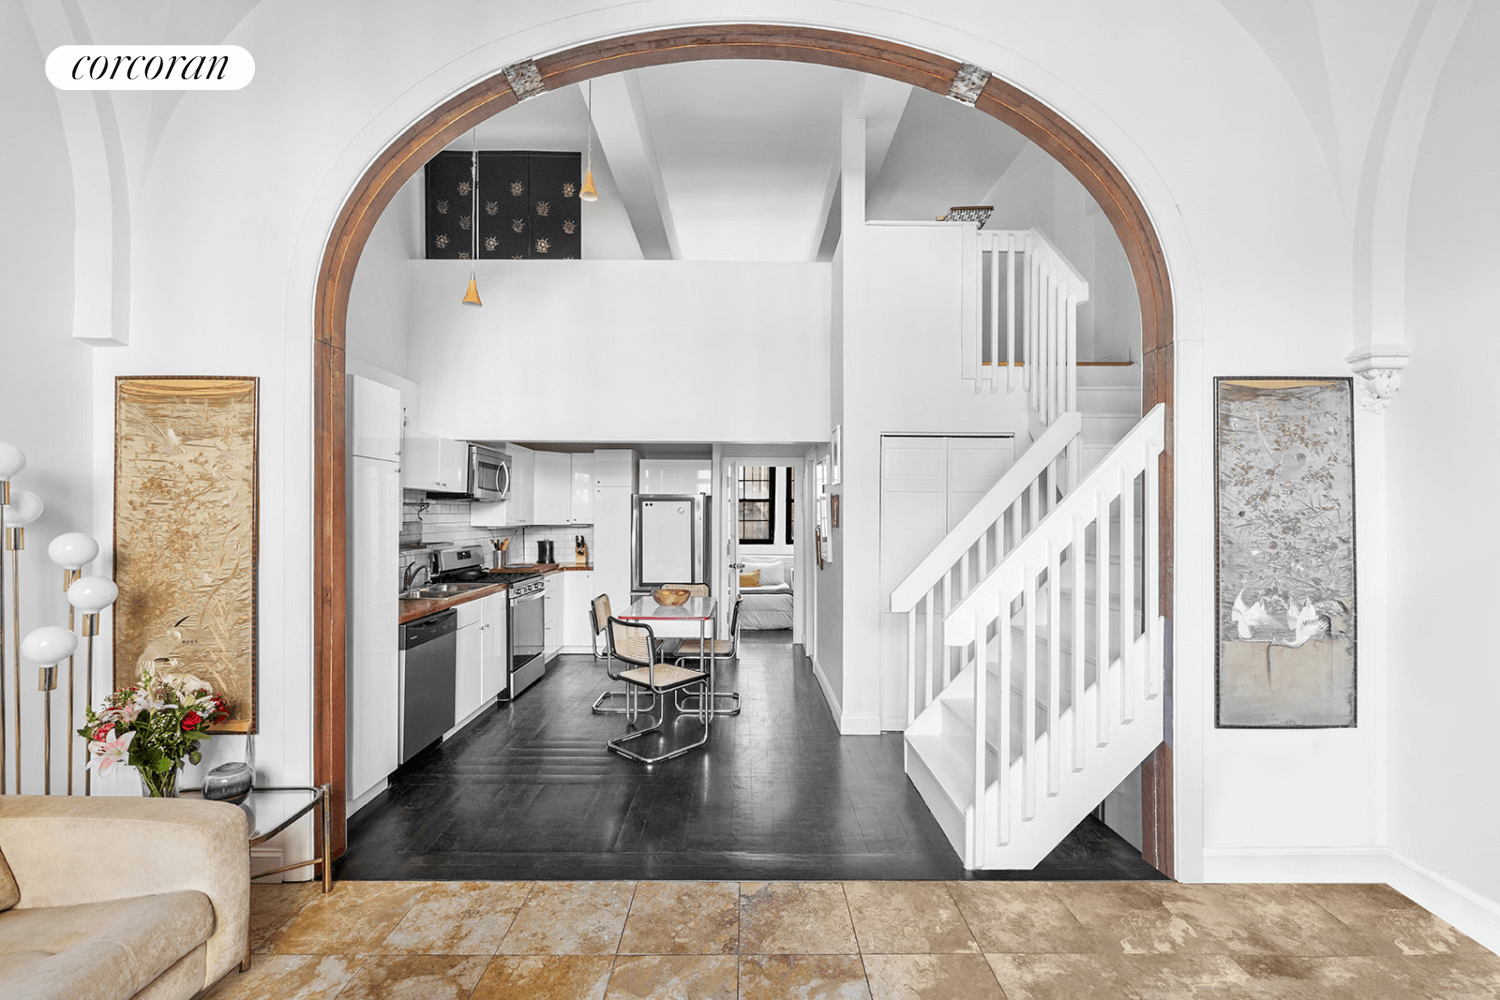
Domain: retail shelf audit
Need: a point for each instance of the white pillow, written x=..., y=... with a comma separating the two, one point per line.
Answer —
x=772, y=574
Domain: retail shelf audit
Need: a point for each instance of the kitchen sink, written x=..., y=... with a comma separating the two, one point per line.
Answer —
x=440, y=590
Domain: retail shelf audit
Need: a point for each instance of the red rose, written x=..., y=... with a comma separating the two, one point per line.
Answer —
x=222, y=717
x=102, y=733
x=191, y=721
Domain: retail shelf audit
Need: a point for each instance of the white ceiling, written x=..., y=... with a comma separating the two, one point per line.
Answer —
x=737, y=160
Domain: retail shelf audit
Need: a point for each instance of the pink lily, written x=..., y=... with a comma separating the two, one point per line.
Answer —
x=107, y=753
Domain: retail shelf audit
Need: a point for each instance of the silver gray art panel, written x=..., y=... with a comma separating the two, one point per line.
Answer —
x=1285, y=525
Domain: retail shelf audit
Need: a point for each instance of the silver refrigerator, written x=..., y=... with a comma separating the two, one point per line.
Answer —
x=670, y=541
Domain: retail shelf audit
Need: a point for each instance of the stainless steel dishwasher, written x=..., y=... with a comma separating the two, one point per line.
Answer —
x=429, y=660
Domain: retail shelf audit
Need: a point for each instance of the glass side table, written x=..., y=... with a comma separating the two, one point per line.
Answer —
x=271, y=810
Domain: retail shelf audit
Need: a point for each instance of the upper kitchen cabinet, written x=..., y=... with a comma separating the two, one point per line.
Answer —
x=582, y=500
x=375, y=417
x=434, y=464
x=522, y=502
x=615, y=467
x=553, y=500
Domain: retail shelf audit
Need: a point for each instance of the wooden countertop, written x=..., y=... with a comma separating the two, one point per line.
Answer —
x=411, y=610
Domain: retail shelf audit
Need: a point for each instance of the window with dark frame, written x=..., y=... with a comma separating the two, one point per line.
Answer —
x=791, y=502
x=757, y=505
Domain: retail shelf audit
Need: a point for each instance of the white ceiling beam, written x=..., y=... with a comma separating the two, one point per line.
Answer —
x=880, y=103
x=623, y=128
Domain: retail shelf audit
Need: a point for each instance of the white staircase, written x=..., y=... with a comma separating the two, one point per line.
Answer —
x=1034, y=664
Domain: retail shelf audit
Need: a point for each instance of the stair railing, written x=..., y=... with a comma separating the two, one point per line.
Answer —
x=1051, y=290
x=986, y=535
x=1062, y=536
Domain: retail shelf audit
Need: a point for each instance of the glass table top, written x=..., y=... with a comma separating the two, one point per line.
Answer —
x=646, y=609
x=271, y=810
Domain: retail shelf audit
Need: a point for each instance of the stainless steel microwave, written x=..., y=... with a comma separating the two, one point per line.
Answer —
x=489, y=473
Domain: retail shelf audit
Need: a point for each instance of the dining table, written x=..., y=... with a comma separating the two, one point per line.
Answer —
x=697, y=617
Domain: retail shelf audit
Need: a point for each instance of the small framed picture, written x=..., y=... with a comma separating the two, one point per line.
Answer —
x=836, y=453
x=835, y=515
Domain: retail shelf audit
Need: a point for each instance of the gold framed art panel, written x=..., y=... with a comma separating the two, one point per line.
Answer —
x=186, y=533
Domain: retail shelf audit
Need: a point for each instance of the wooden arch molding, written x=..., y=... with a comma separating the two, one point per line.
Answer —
x=450, y=120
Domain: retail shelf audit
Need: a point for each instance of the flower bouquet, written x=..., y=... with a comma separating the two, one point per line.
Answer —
x=153, y=726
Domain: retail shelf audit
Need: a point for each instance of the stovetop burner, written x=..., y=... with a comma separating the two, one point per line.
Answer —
x=470, y=575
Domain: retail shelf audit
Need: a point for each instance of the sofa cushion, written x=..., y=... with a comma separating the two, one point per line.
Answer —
x=10, y=894
x=99, y=950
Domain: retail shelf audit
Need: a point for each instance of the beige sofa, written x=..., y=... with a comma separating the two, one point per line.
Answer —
x=120, y=897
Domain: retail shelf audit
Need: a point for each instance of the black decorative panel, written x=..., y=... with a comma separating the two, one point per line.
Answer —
x=556, y=230
x=528, y=205
x=504, y=205
x=450, y=200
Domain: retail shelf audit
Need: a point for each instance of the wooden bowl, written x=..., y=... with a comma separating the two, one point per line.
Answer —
x=670, y=597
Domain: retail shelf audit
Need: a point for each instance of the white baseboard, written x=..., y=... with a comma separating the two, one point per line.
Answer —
x=849, y=725
x=264, y=859
x=1471, y=913
x=834, y=705
x=356, y=804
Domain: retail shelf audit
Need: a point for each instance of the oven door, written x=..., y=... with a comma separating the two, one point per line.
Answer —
x=489, y=474
x=528, y=624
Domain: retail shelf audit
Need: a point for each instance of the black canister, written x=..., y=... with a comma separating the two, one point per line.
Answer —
x=544, y=552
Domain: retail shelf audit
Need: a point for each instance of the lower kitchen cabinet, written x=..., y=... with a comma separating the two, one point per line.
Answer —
x=470, y=660
x=552, y=644
x=578, y=593
x=494, y=647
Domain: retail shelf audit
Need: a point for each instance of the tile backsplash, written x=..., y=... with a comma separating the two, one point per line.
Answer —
x=437, y=522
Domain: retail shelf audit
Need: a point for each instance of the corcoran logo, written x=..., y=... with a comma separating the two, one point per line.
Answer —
x=150, y=67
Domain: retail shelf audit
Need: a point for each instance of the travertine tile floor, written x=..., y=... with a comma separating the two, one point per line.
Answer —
x=851, y=941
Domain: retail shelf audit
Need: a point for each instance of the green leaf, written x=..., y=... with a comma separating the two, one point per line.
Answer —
x=195, y=757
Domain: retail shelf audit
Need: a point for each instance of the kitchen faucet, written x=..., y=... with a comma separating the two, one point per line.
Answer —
x=409, y=578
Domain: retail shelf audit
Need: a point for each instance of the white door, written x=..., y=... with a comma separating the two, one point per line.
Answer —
x=373, y=676
x=913, y=519
x=975, y=464
x=494, y=647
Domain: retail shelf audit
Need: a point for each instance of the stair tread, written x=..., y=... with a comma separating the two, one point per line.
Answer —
x=953, y=770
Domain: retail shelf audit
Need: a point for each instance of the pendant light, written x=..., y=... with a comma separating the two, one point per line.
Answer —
x=471, y=297
x=589, y=192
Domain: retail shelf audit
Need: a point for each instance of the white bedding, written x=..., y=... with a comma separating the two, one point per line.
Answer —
x=766, y=607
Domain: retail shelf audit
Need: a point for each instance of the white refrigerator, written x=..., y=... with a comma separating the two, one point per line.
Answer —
x=670, y=541
x=373, y=665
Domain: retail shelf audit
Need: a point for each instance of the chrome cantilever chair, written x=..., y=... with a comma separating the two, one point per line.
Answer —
x=635, y=643
x=599, y=614
x=715, y=649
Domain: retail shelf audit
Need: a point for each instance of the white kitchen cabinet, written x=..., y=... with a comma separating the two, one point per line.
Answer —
x=552, y=644
x=577, y=594
x=374, y=420
x=611, y=551
x=469, y=661
x=494, y=647
x=582, y=499
x=615, y=467
x=373, y=676
x=522, y=500
x=552, y=493
x=434, y=464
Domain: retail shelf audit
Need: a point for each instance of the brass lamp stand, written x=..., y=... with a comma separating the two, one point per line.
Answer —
x=47, y=647
x=91, y=595
x=72, y=552
x=24, y=508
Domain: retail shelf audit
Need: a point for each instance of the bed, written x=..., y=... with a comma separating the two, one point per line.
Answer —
x=768, y=606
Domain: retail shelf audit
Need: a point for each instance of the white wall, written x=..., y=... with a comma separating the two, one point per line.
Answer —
x=46, y=408
x=1444, y=471
x=623, y=351
x=376, y=331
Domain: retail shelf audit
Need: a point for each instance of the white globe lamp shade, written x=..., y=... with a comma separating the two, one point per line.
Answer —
x=49, y=645
x=92, y=594
x=12, y=461
x=73, y=550
x=24, y=507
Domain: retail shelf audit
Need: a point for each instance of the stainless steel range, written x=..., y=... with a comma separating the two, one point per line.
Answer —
x=527, y=631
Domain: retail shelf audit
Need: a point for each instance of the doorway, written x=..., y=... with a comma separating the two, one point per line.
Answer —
x=447, y=122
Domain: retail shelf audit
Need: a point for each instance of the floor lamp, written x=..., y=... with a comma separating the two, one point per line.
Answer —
x=91, y=595
x=72, y=552
x=12, y=461
x=24, y=508
x=47, y=647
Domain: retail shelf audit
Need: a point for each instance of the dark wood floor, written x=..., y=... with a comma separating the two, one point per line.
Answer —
x=528, y=791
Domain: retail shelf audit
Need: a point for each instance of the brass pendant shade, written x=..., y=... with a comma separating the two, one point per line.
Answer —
x=589, y=192
x=472, y=295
